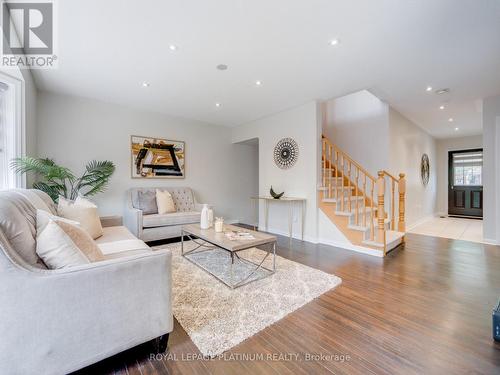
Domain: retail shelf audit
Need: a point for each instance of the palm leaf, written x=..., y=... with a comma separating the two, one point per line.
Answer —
x=55, y=180
x=96, y=177
x=44, y=167
x=53, y=191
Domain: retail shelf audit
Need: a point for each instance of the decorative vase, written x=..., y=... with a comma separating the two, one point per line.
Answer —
x=204, y=223
x=219, y=225
x=210, y=217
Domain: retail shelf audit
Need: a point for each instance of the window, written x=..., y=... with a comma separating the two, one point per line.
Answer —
x=468, y=168
x=11, y=130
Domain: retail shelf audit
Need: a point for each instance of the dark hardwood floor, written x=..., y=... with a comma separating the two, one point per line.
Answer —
x=424, y=309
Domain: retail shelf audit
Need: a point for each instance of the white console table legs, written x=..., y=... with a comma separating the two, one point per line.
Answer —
x=291, y=202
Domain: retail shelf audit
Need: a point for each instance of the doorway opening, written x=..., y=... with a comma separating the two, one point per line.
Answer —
x=465, y=183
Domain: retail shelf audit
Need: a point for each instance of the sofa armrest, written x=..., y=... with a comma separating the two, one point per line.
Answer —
x=110, y=306
x=132, y=219
x=111, y=221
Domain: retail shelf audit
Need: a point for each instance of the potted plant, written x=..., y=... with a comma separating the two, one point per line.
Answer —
x=57, y=181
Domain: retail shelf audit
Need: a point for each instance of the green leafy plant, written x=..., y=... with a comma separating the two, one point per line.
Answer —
x=57, y=181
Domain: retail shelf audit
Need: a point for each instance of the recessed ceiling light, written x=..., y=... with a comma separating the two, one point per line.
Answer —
x=429, y=88
x=334, y=42
x=456, y=129
x=173, y=47
x=442, y=107
x=258, y=83
x=450, y=119
x=222, y=67
x=217, y=105
x=145, y=84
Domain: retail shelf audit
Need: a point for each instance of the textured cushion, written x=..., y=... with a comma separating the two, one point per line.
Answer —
x=176, y=218
x=18, y=223
x=145, y=201
x=83, y=211
x=183, y=197
x=82, y=240
x=61, y=244
x=164, y=202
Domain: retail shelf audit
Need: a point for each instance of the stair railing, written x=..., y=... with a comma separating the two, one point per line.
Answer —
x=336, y=164
x=355, y=181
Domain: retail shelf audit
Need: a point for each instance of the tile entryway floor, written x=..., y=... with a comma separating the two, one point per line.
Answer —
x=451, y=227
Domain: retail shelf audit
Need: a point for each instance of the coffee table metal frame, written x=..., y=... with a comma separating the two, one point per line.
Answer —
x=204, y=245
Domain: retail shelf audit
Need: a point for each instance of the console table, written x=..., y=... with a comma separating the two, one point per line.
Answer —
x=290, y=201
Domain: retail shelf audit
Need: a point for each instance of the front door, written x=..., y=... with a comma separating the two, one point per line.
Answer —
x=465, y=191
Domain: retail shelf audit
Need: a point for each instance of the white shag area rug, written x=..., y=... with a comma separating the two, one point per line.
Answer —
x=218, y=318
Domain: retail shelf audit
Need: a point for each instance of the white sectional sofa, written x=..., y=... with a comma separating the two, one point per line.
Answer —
x=142, y=218
x=59, y=321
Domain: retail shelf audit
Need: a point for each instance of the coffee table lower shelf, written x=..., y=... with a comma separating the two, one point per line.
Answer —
x=256, y=268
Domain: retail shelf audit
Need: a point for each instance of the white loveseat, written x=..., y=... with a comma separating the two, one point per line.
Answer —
x=151, y=226
x=58, y=321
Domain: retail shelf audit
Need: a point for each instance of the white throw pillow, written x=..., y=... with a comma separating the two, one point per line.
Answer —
x=83, y=211
x=164, y=202
x=54, y=246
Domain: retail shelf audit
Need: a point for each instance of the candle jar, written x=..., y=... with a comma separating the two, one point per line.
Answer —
x=219, y=224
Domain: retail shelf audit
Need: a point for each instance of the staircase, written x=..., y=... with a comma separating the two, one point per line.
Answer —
x=362, y=206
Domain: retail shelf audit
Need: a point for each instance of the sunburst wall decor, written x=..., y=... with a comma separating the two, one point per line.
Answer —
x=286, y=153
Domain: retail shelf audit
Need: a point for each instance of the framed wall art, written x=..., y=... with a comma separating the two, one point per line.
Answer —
x=157, y=157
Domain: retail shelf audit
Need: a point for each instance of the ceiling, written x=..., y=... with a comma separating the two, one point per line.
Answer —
x=394, y=48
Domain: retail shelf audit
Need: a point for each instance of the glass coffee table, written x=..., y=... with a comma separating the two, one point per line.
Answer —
x=224, y=258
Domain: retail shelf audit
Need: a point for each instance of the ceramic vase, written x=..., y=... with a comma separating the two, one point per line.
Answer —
x=204, y=219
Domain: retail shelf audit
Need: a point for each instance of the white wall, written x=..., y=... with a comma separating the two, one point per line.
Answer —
x=443, y=147
x=74, y=131
x=408, y=142
x=302, y=124
x=378, y=137
x=359, y=123
x=491, y=169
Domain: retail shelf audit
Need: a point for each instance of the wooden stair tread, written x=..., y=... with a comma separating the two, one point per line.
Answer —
x=334, y=200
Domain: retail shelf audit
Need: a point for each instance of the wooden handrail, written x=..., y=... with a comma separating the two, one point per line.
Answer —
x=390, y=175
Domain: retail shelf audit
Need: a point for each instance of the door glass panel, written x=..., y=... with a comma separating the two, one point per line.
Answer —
x=468, y=168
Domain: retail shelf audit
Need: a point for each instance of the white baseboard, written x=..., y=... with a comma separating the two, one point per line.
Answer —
x=358, y=249
x=286, y=234
x=341, y=245
x=422, y=220
x=490, y=241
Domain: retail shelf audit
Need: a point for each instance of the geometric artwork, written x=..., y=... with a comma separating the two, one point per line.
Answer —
x=157, y=158
x=424, y=169
x=286, y=153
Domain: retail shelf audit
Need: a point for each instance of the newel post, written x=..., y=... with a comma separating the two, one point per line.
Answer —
x=381, y=208
x=402, y=192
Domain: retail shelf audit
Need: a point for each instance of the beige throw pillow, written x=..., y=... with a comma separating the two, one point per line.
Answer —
x=83, y=211
x=61, y=243
x=164, y=202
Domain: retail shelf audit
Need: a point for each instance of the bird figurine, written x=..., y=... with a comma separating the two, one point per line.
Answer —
x=275, y=195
